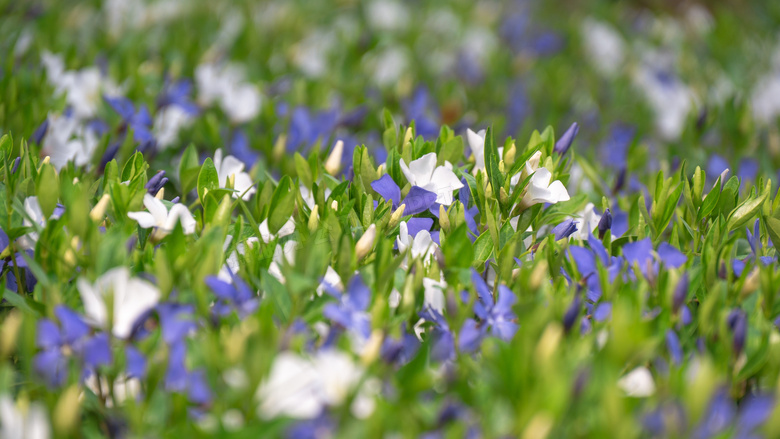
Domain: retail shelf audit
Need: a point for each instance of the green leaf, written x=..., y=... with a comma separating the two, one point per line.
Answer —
x=458, y=250
x=189, y=169
x=746, y=211
x=483, y=247
x=208, y=179
x=451, y=151
x=278, y=294
x=773, y=227
x=47, y=189
x=282, y=205
x=710, y=201
x=302, y=170
x=491, y=162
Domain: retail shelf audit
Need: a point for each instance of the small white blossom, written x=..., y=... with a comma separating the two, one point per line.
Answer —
x=67, y=139
x=162, y=219
x=16, y=423
x=434, y=294
x=131, y=298
x=587, y=221
x=229, y=168
x=638, y=383
x=167, y=124
x=604, y=46
x=301, y=387
x=239, y=100
x=440, y=180
x=422, y=245
x=540, y=188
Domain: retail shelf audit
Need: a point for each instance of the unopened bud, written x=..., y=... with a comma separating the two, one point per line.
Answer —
x=372, y=348
x=366, y=242
x=160, y=194
x=549, y=341
x=333, y=164
x=444, y=219
x=564, y=143
x=67, y=412
x=605, y=223
x=334, y=205
x=407, y=136
x=680, y=293
x=314, y=218
x=99, y=211
x=9, y=332
x=280, y=146
x=509, y=154
x=395, y=218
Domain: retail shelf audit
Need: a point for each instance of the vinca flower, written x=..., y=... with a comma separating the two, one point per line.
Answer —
x=230, y=173
x=117, y=300
x=440, y=180
x=240, y=100
x=163, y=220
x=419, y=241
x=541, y=188
x=16, y=422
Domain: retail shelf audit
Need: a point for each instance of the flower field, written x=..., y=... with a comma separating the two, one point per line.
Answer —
x=391, y=219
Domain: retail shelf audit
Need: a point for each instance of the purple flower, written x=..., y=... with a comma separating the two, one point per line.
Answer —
x=680, y=293
x=570, y=316
x=71, y=337
x=156, y=183
x=179, y=379
x=178, y=93
x=737, y=321
x=441, y=338
x=237, y=296
x=400, y=351
x=240, y=149
x=39, y=133
x=603, y=311
x=321, y=427
x=564, y=229
x=639, y=252
x=416, y=201
x=586, y=261
x=719, y=416
x=564, y=143
x=605, y=223
x=176, y=321
x=496, y=316
x=420, y=109
x=139, y=121
x=350, y=312
x=673, y=344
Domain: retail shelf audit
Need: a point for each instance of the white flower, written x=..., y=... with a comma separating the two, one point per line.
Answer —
x=167, y=124
x=18, y=424
x=231, y=263
x=308, y=196
x=440, y=180
x=281, y=254
x=670, y=99
x=163, y=220
x=540, y=189
x=301, y=387
x=387, y=15
x=68, y=140
x=604, y=46
x=124, y=388
x=434, y=294
x=638, y=383
x=287, y=229
x=587, y=221
x=331, y=278
x=33, y=210
x=422, y=245
x=82, y=89
x=477, y=145
x=239, y=100
x=231, y=168
x=131, y=297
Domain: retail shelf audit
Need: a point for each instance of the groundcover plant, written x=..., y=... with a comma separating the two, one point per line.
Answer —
x=316, y=219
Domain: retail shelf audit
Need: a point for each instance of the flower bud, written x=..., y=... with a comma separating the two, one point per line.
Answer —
x=99, y=211
x=605, y=223
x=680, y=293
x=314, y=218
x=564, y=143
x=444, y=219
x=366, y=242
x=333, y=163
x=395, y=218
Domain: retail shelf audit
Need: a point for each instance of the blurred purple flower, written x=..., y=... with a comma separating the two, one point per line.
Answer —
x=350, y=312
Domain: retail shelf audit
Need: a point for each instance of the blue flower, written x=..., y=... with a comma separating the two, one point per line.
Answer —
x=416, y=201
x=178, y=93
x=441, y=338
x=350, y=312
x=564, y=143
x=236, y=296
x=71, y=338
x=564, y=229
x=139, y=121
x=586, y=261
x=496, y=315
